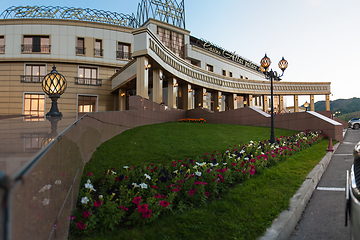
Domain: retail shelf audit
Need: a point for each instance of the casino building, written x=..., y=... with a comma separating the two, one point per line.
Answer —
x=107, y=57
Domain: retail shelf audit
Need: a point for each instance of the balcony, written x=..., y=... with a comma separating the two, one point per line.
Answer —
x=80, y=50
x=98, y=52
x=123, y=55
x=31, y=78
x=88, y=81
x=30, y=48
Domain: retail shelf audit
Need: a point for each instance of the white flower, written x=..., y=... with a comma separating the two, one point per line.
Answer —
x=175, y=171
x=135, y=184
x=224, y=163
x=126, y=166
x=58, y=182
x=195, y=167
x=246, y=158
x=101, y=196
x=113, y=172
x=198, y=174
x=88, y=185
x=46, y=187
x=84, y=200
x=143, y=185
x=147, y=176
x=88, y=181
x=214, y=165
x=46, y=201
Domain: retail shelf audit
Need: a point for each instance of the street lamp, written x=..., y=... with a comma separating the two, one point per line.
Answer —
x=272, y=75
x=54, y=84
x=306, y=105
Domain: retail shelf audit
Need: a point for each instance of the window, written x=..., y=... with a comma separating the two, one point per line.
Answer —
x=34, y=106
x=172, y=40
x=123, y=51
x=2, y=44
x=209, y=68
x=34, y=73
x=87, y=103
x=88, y=76
x=80, y=46
x=224, y=72
x=98, y=51
x=36, y=44
x=230, y=74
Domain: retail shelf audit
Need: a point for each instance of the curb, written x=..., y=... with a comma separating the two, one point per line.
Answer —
x=285, y=223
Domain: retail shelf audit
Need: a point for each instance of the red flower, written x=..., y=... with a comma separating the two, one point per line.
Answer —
x=80, y=225
x=90, y=174
x=233, y=164
x=116, y=179
x=175, y=190
x=207, y=194
x=192, y=191
x=163, y=196
x=154, y=187
x=136, y=200
x=147, y=214
x=142, y=208
x=164, y=203
x=124, y=208
x=86, y=214
x=97, y=203
x=157, y=195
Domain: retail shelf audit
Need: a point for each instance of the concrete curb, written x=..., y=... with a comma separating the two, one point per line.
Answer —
x=285, y=223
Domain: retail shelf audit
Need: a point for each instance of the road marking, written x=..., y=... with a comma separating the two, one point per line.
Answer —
x=331, y=189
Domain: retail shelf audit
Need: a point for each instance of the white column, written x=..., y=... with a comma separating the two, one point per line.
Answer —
x=157, y=85
x=142, y=77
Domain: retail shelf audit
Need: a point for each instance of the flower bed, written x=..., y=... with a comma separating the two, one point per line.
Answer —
x=131, y=196
x=193, y=120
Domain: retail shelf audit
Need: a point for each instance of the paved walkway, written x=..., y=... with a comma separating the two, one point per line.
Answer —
x=324, y=216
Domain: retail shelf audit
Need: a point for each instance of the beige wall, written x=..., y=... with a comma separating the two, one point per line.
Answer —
x=12, y=89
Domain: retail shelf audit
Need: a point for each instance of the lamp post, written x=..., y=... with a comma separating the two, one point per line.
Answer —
x=306, y=105
x=54, y=84
x=272, y=75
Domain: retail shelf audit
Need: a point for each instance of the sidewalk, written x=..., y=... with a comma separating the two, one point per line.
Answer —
x=317, y=210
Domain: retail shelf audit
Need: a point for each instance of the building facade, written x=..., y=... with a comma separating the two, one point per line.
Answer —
x=107, y=57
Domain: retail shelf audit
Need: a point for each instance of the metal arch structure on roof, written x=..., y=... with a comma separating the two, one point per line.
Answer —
x=169, y=11
x=82, y=14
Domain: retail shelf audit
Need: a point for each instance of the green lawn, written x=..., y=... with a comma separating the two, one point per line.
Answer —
x=243, y=213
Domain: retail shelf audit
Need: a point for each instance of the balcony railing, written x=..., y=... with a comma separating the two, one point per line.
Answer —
x=88, y=81
x=2, y=48
x=98, y=52
x=123, y=55
x=80, y=50
x=29, y=48
x=31, y=78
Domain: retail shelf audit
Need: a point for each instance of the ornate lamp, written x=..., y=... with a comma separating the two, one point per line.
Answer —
x=306, y=105
x=272, y=75
x=54, y=84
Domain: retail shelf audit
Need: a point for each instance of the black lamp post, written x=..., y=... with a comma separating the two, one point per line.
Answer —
x=54, y=84
x=272, y=75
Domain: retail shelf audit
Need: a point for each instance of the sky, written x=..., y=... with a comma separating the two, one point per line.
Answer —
x=319, y=38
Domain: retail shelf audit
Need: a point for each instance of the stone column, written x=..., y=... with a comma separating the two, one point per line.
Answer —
x=216, y=101
x=172, y=90
x=312, y=103
x=265, y=104
x=157, y=85
x=281, y=104
x=231, y=101
x=142, y=77
x=186, y=96
x=122, y=99
x=199, y=97
x=327, y=102
x=250, y=102
x=296, y=103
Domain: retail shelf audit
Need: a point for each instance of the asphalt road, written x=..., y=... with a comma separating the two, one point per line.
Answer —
x=324, y=216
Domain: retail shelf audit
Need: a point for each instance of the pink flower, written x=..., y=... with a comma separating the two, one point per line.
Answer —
x=90, y=174
x=97, y=203
x=142, y=208
x=164, y=203
x=163, y=196
x=233, y=164
x=154, y=187
x=207, y=194
x=208, y=170
x=136, y=200
x=157, y=195
x=192, y=191
x=80, y=225
x=175, y=190
x=86, y=214
x=146, y=214
x=124, y=208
